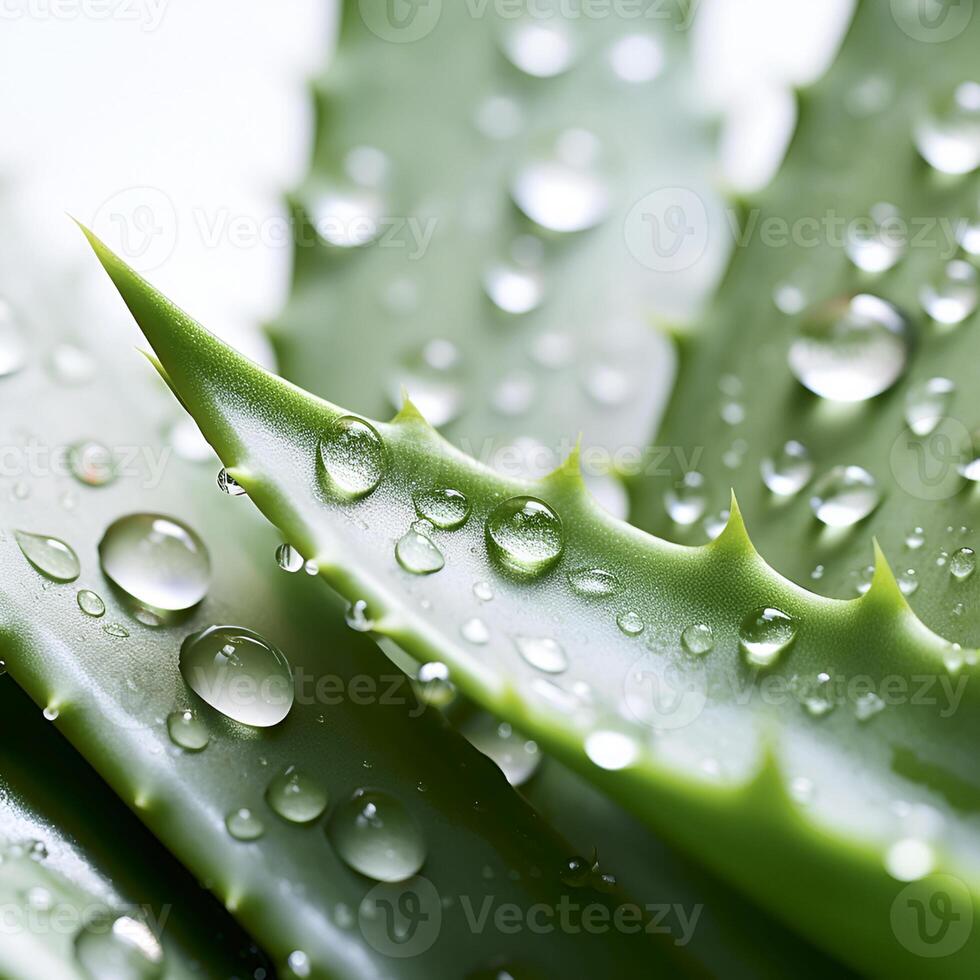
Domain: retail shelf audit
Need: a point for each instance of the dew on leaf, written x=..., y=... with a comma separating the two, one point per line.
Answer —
x=50, y=556
x=590, y=581
x=948, y=136
x=228, y=484
x=765, y=634
x=90, y=603
x=483, y=591
x=876, y=243
x=686, y=501
x=788, y=470
x=513, y=289
x=91, y=463
x=187, y=730
x=524, y=535
x=909, y=859
x=353, y=456
x=542, y=653
x=345, y=215
x=962, y=563
x=288, y=558
x=951, y=296
x=296, y=796
x=442, y=506
x=611, y=750
x=416, y=553
x=434, y=684
x=636, y=58
x=915, y=538
x=475, y=631
x=844, y=495
x=539, y=48
x=120, y=949
x=698, y=639
x=244, y=825
x=516, y=756
x=630, y=622
x=357, y=618
x=868, y=705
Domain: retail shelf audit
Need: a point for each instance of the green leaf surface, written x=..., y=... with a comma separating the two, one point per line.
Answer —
x=807, y=807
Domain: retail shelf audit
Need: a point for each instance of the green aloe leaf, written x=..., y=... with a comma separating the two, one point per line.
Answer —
x=432, y=196
x=598, y=646
x=111, y=680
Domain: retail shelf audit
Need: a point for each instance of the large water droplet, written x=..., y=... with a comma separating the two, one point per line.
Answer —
x=765, y=634
x=91, y=463
x=949, y=136
x=157, y=561
x=50, y=556
x=611, y=750
x=850, y=349
x=375, y=835
x=443, y=507
x=517, y=757
x=789, y=470
x=543, y=653
x=90, y=603
x=686, y=501
x=353, y=456
x=187, y=730
x=593, y=581
x=962, y=563
x=124, y=949
x=416, y=553
x=909, y=859
x=238, y=673
x=844, y=496
x=244, y=825
x=698, y=639
x=876, y=243
x=637, y=58
x=432, y=376
x=512, y=289
x=525, y=535
x=296, y=796
x=538, y=48
x=952, y=295
x=926, y=403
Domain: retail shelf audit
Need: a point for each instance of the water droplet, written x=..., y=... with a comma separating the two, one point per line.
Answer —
x=91, y=463
x=698, y=639
x=51, y=713
x=90, y=603
x=375, y=835
x=611, y=750
x=789, y=470
x=844, y=496
x=876, y=243
x=909, y=859
x=124, y=949
x=357, y=618
x=963, y=563
x=499, y=117
x=353, y=456
x=483, y=591
x=915, y=539
x=238, y=673
x=863, y=578
x=244, y=825
x=445, y=508
x=577, y=872
x=416, y=553
x=311, y=567
x=714, y=524
x=525, y=535
x=475, y=631
x=630, y=623
x=948, y=137
x=517, y=757
x=868, y=705
x=789, y=298
x=432, y=376
x=296, y=796
x=686, y=501
x=539, y=49
x=593, y=581
x=288, y=558
x=543, y=653
x=637, y=58
x=50, y=556
x=366, y=165
x=156, y=561
x=228, y=484
x=553, y=350
x=512, y=289
x=801, y=789
x=514, y=393
x=187, y=730
x=434, y=684
x=115, y=629
x=951, y=296
x=818, y=698
x=926, y=403
x=850, y=349
x=818, y=572
x=345, y=216
x=765, y=634
x=908, y=581
x=299, y=963
x=607, y=385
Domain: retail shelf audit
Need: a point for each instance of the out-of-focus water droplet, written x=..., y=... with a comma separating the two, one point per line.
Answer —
x=228, y=484
x=542, y=653
x=844, y=495
x=357, y=618
x=593, y=581
x=915, y=539
x=123, y=949
x=765, y=634
x=789, y=298
x=962, y=563
x=513, y=289
x=115, y=629
x=187, y=442
x=863, y=578
x=908, y=581
x=244, y=825
x=686, y=501
x=868, y=705
x=611, y=750
x=909, y=859
x=156, y=561
x=187, y=731
x=524, y=535
x=948, y=137
x=801, y=789
x=851, y=349
x=715, y=523
x=71, y=365
x=870, y=96
x=539, y=48
x=499, y=117
x=288, y=558
x=926, y=404
x=698, y=639
x=432, y=375
x=553, y=350
x=374, y=834
x=513, y=394
x=789, y=470
x=299, y=962
x=90, y=603
x=353, y=456
x=637, y=58
x=50, y=556
x=296, y=796
x=483, y=591
x=952, y=295
x=876, y=243
x=607, y=385
x=968, y=235
x=311, y=567
x=475, y=631
x=51, y=713
x=516, y=756
x=818, y=698
x=345, y=216
x=91, y=463
x=239, y=673
x=366, y=165
x=630, y=622
x=445, y=508
x=435, y=685
x=416, y=553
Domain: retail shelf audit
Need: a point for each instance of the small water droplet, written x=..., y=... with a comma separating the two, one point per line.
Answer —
x=483, y=591
x=611, y=750
x=593, y=581
x=115, y=629
x=789, y=470
x=516, y=756
x=416, y=553
x=909, y=859
x=637, y=58
x=915, y=539
x=50, y=556
x=375, y=835
x=475, y=631
x=926, y=403
x=524, y=535
x=434, y=684
x=788, y=298
x=51, y=713
x=123, y=949
x=357, y=618
x=187, y=730
x=577, y=872
x=244, y=825
x=345, y=215
x=513, y=289
x=963, y=563
x=538, y=48
x=296, y=796
x=908, y=581
x=765, y=635
x=864, y=576
x=90, y=603
x=801, y=789
x=445, y=508
x=353, y=456
x=499, y=117
x=876, y=243
x=228, y=484
x=698, y=639
x=850, y=349
x=868, y=705
x=432, y=376
x=630, y=623
x=607, y=385
x=238, y=673
x=686, y=501
x=366, y=165
x=311, y=567
x=948, y=136
x=543, y=653
x=553, y=350
x=818, y=697
x=952, y=295
x=288, y=558
x=844, y=496
x=91, y=463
